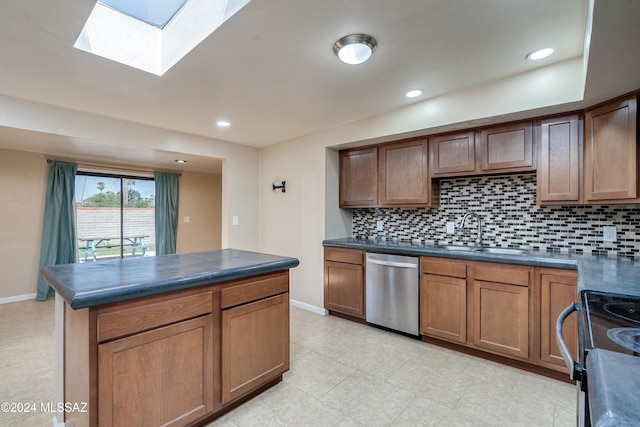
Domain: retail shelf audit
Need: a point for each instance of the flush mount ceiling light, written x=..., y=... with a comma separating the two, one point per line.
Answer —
x=181, y=161
x=355, y=48
x=539, y=54
x=413, y=93
x=223, y=123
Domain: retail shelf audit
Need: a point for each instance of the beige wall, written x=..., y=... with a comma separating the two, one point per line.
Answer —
x=200, y=199
x=23, y=180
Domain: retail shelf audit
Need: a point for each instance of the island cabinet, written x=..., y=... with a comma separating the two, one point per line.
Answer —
x=501, y=309
x=497, y=149
x=443, y=299
x=611, y=153
x=557, y=290
x=177, y=358
x=344, y=285
x=255, y=334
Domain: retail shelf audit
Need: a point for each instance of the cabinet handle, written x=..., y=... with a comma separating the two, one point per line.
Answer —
x=392, y=264
x=575, y=369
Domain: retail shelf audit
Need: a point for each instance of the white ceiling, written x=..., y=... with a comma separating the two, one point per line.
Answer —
x=271, y=72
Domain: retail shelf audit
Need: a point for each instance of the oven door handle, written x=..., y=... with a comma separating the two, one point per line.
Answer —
x=574, y=370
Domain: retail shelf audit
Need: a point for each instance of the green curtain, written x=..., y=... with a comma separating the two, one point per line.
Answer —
x=59, y=226
x=166, y=212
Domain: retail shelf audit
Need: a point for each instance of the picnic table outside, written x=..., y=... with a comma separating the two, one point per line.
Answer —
x=89, y=245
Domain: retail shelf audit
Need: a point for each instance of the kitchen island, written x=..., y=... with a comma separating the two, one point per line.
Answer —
x=169, y=340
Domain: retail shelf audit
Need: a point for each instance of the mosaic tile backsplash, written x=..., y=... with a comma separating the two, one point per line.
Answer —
x=510, y=218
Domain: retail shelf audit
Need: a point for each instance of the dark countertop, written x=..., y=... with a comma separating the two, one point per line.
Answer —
x=613, y=393
x=91, y=284
x=595, y=272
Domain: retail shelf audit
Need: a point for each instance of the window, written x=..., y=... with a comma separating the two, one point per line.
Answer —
x=115, y=216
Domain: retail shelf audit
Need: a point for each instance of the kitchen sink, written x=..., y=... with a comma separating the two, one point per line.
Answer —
x=460, y=248
x=504, y=251
x=486, y=249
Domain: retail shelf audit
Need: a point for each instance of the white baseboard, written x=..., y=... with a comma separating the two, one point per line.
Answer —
x=17, y=298
x=312, y=308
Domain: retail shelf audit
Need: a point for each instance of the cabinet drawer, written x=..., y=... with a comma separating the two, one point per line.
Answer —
x=491, y=273
x=130, y=318
x=349, y=256
x=442, y=267
x=254, y=289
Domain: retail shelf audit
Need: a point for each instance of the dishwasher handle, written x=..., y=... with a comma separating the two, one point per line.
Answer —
x=575, y=369
x=392, y=263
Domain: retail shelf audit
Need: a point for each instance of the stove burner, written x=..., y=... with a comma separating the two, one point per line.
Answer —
x=629, y=338
x=629, y=311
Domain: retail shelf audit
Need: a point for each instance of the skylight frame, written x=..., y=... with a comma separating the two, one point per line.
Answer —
x=157, y=13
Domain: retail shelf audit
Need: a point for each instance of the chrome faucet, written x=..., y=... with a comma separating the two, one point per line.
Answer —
x=464, y=219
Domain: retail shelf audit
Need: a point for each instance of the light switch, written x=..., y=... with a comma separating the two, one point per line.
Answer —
x=451, y=227
x=609, y=233
x=186, y=219
x=234, y=220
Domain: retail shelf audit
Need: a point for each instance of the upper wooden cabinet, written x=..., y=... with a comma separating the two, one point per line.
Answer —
x=507, y=148
x=559, y=168
x=453, y=154
x=497, y=149
x=395, y=174
x=359, y=177
x=404, y=174
x=611, y=153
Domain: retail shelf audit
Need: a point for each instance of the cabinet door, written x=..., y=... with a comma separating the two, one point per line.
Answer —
x=160, y=377
x=443, y=307
x=610, y=152
x=501, y=318
x=404, y=173
x=507, y=148
x=559, y=167
x=452, y=154
x=255, y=345
x=344, y=288
x=557, y=292
x=359, y=177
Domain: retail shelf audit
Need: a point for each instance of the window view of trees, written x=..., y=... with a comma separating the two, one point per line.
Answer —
x=109, y=199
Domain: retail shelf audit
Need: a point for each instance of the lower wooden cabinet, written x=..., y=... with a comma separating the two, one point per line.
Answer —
x=344, y=285
x=444, y=307
x=557, y=291
x=255, y=345
x=160, y=377
x=501, y=318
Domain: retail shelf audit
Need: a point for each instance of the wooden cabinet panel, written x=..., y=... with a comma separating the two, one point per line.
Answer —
x=129, y=318
x=443, y=267
x=559, y=164
x=611, y=153
x=501, y=318
x=443, y=307
x=253, y=289
x=359, y=177
x=557, y=292
x=502, y=273
x=452, y=154
x=506, y=148
x=404, y=173
x=255, y=345
x=160, y=377
x=349, y=256
x=344, y=288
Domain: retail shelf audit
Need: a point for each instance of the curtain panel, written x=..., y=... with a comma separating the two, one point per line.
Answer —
x=59, y=228
x=166, y=212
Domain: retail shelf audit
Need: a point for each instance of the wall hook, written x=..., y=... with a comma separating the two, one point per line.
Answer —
x=281, y=186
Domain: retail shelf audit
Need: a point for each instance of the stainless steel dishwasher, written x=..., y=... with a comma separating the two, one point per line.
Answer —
x=393, y=292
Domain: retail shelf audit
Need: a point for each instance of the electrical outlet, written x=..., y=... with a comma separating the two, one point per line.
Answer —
x=379, y=225
x=609, y=233
x=451, y=227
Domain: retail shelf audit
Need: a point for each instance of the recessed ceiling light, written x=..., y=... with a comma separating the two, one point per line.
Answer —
x=539, y=54
x=355, y=48
x=413, y=93
x=223, y=123
x=181, y=161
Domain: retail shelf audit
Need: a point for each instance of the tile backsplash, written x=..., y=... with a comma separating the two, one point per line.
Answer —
x=510, y=218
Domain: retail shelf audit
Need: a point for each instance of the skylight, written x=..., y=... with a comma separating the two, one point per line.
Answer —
x=153, y=12
x=152, y=35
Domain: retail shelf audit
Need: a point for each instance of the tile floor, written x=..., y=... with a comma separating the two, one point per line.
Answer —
x=342, y=374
